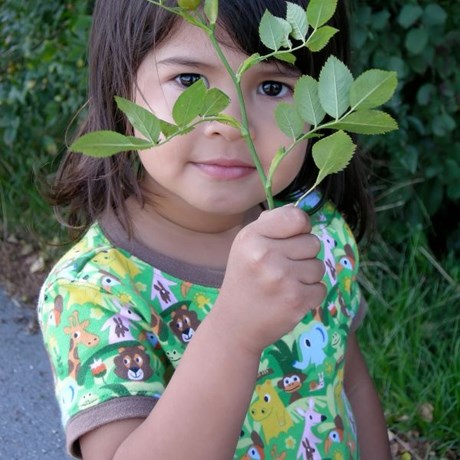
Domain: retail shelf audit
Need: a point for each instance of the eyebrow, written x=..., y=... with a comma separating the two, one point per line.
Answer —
x=273, y=67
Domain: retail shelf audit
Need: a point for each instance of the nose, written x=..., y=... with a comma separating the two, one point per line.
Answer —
x=226, y=130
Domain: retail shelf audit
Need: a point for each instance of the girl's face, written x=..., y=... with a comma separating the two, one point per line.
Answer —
x=209, y=171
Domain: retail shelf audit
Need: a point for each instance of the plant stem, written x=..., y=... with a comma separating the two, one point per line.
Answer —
x=244, y=120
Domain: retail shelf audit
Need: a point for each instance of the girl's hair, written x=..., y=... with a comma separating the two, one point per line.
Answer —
x=123, y=32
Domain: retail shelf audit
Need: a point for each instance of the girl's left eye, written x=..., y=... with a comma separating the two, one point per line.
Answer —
x=274, y=89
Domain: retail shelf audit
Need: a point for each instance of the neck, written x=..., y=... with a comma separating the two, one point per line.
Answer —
x=191, y=236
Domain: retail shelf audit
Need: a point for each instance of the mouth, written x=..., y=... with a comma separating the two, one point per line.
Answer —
x=223, y=169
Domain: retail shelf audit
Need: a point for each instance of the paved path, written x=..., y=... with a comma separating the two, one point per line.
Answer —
x=30, y=425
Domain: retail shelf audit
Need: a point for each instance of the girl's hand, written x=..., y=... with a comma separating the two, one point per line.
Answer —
x=272, y=279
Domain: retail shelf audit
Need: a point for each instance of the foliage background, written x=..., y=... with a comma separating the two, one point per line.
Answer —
x=417, y=168
x=411, y=272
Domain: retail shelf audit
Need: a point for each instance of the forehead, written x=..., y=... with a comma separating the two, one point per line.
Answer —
x=189, y=44
x=189, y=40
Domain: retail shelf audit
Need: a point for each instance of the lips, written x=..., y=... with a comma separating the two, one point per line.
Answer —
x=225, y=169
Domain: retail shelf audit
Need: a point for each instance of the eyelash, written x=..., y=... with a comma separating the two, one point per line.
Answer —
x=187, y=79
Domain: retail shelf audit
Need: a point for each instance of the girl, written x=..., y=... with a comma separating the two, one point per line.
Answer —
x=188, y=322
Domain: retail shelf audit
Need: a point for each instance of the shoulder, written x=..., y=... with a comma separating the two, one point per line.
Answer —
x=95, y=256
x=93, y=272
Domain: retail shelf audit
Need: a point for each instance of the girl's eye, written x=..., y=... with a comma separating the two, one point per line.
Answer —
x=187, y=79
x=274, y=89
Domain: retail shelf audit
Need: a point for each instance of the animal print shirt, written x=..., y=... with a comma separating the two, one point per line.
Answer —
x=116, y=318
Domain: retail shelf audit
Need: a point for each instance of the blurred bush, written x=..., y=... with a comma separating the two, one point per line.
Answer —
x=42, y=85
x=417, y=168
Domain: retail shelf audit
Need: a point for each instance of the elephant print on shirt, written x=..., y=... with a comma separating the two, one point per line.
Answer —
x=311, y=346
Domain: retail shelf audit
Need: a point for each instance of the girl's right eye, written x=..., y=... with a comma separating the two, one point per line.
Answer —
x=187, y=79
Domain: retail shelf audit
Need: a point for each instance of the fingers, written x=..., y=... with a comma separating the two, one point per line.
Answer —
x=309, y=272
x=301, y=247
x=284, y=222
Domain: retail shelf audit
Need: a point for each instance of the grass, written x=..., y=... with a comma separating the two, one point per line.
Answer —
x=411, y=340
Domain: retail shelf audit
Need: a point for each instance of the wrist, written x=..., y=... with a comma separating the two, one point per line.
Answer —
x=228, y=332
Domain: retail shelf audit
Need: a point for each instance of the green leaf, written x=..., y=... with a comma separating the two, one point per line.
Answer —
x=107, y=143
x=215, y=101
x=307, y=101
x=434, y=15
x=416, y=40
x=409, y=15
x=141, y=119
x=335, y=81
x=320, y=38
x=189, y=104
x=211, y=9
x=297, y=18
x=285, y=57
x=367, y=122
x=248, y=63
x=332, y=154
x=288, y=120
x=320, y=11
x=372, y=88
x=425, y=93
x=168, y=129
x=274, y=32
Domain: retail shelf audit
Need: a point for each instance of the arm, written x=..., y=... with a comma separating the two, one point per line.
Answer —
x=272, y=269
x=200, y=413
x=360, y=390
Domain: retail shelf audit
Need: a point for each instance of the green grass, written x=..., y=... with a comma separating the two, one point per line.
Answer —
x=411, y=340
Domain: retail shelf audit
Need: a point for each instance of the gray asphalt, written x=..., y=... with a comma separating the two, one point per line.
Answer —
x=30, y=426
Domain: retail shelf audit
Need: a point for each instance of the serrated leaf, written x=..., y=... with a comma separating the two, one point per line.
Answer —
x=288, y=120
x=320, y=11
x=141, y=119
x=307, y=102
x=332, y=154
x=215, y=101
x=367, y=122
x=285, y=57
x=168, y=129
x=189, y=104
x=320, y=38
x=107, y=143
x=372, y=88
x=273, y=31
x=297, y=18
x=335, y=81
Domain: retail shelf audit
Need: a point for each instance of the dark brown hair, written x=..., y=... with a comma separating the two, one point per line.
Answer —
x=123, y=32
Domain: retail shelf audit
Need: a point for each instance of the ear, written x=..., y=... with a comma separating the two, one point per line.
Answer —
x=311, y=403
x=121, y=350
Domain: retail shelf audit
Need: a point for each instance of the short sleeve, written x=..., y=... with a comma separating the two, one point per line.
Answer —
x=360, y=314
x=106, y=360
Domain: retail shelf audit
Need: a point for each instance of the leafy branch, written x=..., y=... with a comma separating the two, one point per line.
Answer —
x=349, y=103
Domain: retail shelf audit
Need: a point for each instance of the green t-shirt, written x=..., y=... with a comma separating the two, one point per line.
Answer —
x=116, y=318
